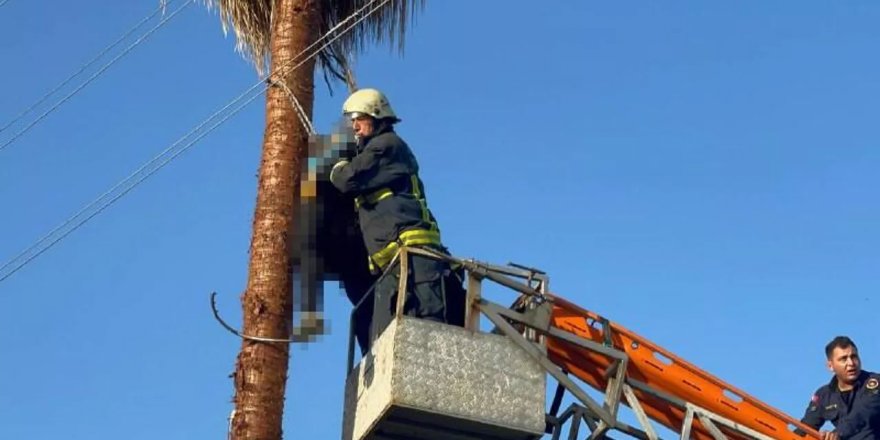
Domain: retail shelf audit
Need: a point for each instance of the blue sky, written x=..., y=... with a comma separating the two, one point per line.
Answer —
x=702, y=173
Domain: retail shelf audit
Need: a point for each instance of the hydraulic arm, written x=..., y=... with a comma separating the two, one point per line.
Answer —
x=671, y=391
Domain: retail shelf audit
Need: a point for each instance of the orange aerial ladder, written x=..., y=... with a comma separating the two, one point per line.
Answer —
x=569, y=341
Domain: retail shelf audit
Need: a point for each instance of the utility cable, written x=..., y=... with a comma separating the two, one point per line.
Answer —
x=95, y=75
x=83, y=68
x=16, y=265
x=300, y=112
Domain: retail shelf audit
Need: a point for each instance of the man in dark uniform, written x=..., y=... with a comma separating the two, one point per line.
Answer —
x=851, y=401
x=393, y=212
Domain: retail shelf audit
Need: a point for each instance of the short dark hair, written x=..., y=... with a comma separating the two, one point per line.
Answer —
x=838, y=342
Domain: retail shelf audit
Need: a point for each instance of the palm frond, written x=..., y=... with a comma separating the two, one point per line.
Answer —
x=389, y=24
x=251, y=21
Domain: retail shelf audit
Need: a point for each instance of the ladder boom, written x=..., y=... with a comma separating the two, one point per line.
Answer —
x=664, y=384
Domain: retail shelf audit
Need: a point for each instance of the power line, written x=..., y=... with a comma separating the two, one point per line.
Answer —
x=94, y=76
x=115, y=187
x=84, y=67
x=303, y=118
x=72, y=224
x=112, y=200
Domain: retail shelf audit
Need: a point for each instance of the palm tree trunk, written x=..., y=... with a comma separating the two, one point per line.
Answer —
x=261, y=368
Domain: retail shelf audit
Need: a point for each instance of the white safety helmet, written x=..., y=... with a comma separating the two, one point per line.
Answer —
x=370, y=102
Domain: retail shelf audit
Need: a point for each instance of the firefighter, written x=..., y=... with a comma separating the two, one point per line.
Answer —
x=850, y=401
x=392, y=211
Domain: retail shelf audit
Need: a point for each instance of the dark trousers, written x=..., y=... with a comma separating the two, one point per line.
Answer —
x=434, y=292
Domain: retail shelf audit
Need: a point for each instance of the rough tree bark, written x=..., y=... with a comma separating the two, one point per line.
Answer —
x=261, y=368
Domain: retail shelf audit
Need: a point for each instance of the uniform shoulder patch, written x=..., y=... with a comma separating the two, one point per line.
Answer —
x=872, y=383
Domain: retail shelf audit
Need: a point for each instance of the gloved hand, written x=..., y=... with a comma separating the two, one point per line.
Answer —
x=337, y=167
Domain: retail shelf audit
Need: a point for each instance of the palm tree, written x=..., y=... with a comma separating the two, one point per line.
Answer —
x=271, y=33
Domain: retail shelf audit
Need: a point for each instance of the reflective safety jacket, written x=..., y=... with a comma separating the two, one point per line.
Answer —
x=389, y=197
